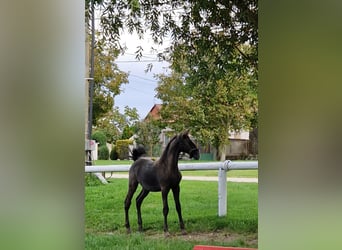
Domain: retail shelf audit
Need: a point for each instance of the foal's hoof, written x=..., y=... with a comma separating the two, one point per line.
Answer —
x=183, y=232
x=128, y=231
x=167, y=234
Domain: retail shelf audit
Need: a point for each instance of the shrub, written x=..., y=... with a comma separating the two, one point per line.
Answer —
x=91, y=180
x=113, y=154
x=100, y=137
x=122, y=148
x=103, y=153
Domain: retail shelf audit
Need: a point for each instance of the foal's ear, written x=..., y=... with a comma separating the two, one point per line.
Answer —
x=185, y=133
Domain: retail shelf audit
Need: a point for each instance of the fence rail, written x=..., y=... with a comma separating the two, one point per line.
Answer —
x=222, y=168
x=226, y=165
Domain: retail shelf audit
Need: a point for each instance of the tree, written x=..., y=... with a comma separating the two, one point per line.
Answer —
x=112, y=124
x=100, y=137
x=219, y=102
x=148, y=133
x=131, y=119
x=107, y=79
x=214, y=47
x=119, y=126
x=107, y=82
x=200, y=25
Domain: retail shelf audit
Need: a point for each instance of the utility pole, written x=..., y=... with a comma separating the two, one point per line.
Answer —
x=91, y=86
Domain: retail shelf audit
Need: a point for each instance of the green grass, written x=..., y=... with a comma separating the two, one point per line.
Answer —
x=136, y=241
x=233, y=173
x=104, y=217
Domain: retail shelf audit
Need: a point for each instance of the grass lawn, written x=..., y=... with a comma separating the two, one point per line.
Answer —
x=104, y=217
x=233, y=173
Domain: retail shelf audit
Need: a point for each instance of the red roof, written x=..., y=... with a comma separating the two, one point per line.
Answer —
x=154, y=112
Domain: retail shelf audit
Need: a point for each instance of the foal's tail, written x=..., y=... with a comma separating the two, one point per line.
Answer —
x=138, y=152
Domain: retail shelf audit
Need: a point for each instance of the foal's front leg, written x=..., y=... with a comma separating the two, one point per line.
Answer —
x=175, y=192
x=165, y=192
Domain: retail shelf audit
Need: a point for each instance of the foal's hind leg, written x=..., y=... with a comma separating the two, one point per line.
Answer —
x=175, y=192
x=165, y=192
x=139, y=200
x=132, y=187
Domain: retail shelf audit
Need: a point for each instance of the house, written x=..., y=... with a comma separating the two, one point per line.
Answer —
x=154, y=113
x=239, y=146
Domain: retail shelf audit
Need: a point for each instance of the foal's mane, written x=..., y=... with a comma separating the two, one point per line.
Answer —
x=167, y=148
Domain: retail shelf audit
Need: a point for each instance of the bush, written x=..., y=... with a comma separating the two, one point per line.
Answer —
x=113, y=154
x=91, y=180
x=103, y=153
x=100, y=137
x=122, y=148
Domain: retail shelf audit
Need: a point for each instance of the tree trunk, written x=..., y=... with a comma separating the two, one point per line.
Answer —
x=221, y=153
x=151, y=149
x=253, y=141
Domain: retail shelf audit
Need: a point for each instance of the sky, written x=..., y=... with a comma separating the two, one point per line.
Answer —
x=140, y=91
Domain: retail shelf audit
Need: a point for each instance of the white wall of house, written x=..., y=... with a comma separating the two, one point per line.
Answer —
x=237, y=147
x=241, y=135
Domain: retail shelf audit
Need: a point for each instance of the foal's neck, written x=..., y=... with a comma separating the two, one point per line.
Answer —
x=170, y=156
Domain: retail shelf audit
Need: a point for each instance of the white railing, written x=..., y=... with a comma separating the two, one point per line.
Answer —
x=222, y=168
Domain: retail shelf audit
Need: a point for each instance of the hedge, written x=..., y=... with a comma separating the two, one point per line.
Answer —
x=113, y=154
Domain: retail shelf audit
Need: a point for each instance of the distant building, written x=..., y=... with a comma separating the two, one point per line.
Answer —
x=154, y=113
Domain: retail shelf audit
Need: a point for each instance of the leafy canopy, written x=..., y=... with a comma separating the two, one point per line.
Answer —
x=195, y=24
x=213, y=56
x=211, y=104
x=107, y=78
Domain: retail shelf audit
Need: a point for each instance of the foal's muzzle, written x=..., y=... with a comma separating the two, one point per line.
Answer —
x=194, y=153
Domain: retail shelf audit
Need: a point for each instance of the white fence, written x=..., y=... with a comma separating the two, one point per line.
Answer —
x=223, y=167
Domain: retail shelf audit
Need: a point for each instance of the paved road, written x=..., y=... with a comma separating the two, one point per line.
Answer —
x=193, y=178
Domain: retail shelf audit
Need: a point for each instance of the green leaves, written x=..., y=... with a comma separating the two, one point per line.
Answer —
x=202, y=24
x=209, y=100
x=107, y=79
x=148, y=133
x=213, y=56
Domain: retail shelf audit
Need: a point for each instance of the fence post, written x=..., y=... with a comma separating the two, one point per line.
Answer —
x=222, y=189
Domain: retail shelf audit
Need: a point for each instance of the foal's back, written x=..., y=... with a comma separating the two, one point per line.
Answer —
x=145, y=173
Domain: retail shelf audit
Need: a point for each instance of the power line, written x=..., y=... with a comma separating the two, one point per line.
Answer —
x=131, y=54
x=132, y=61
x=146, y=79
x=138, y=90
